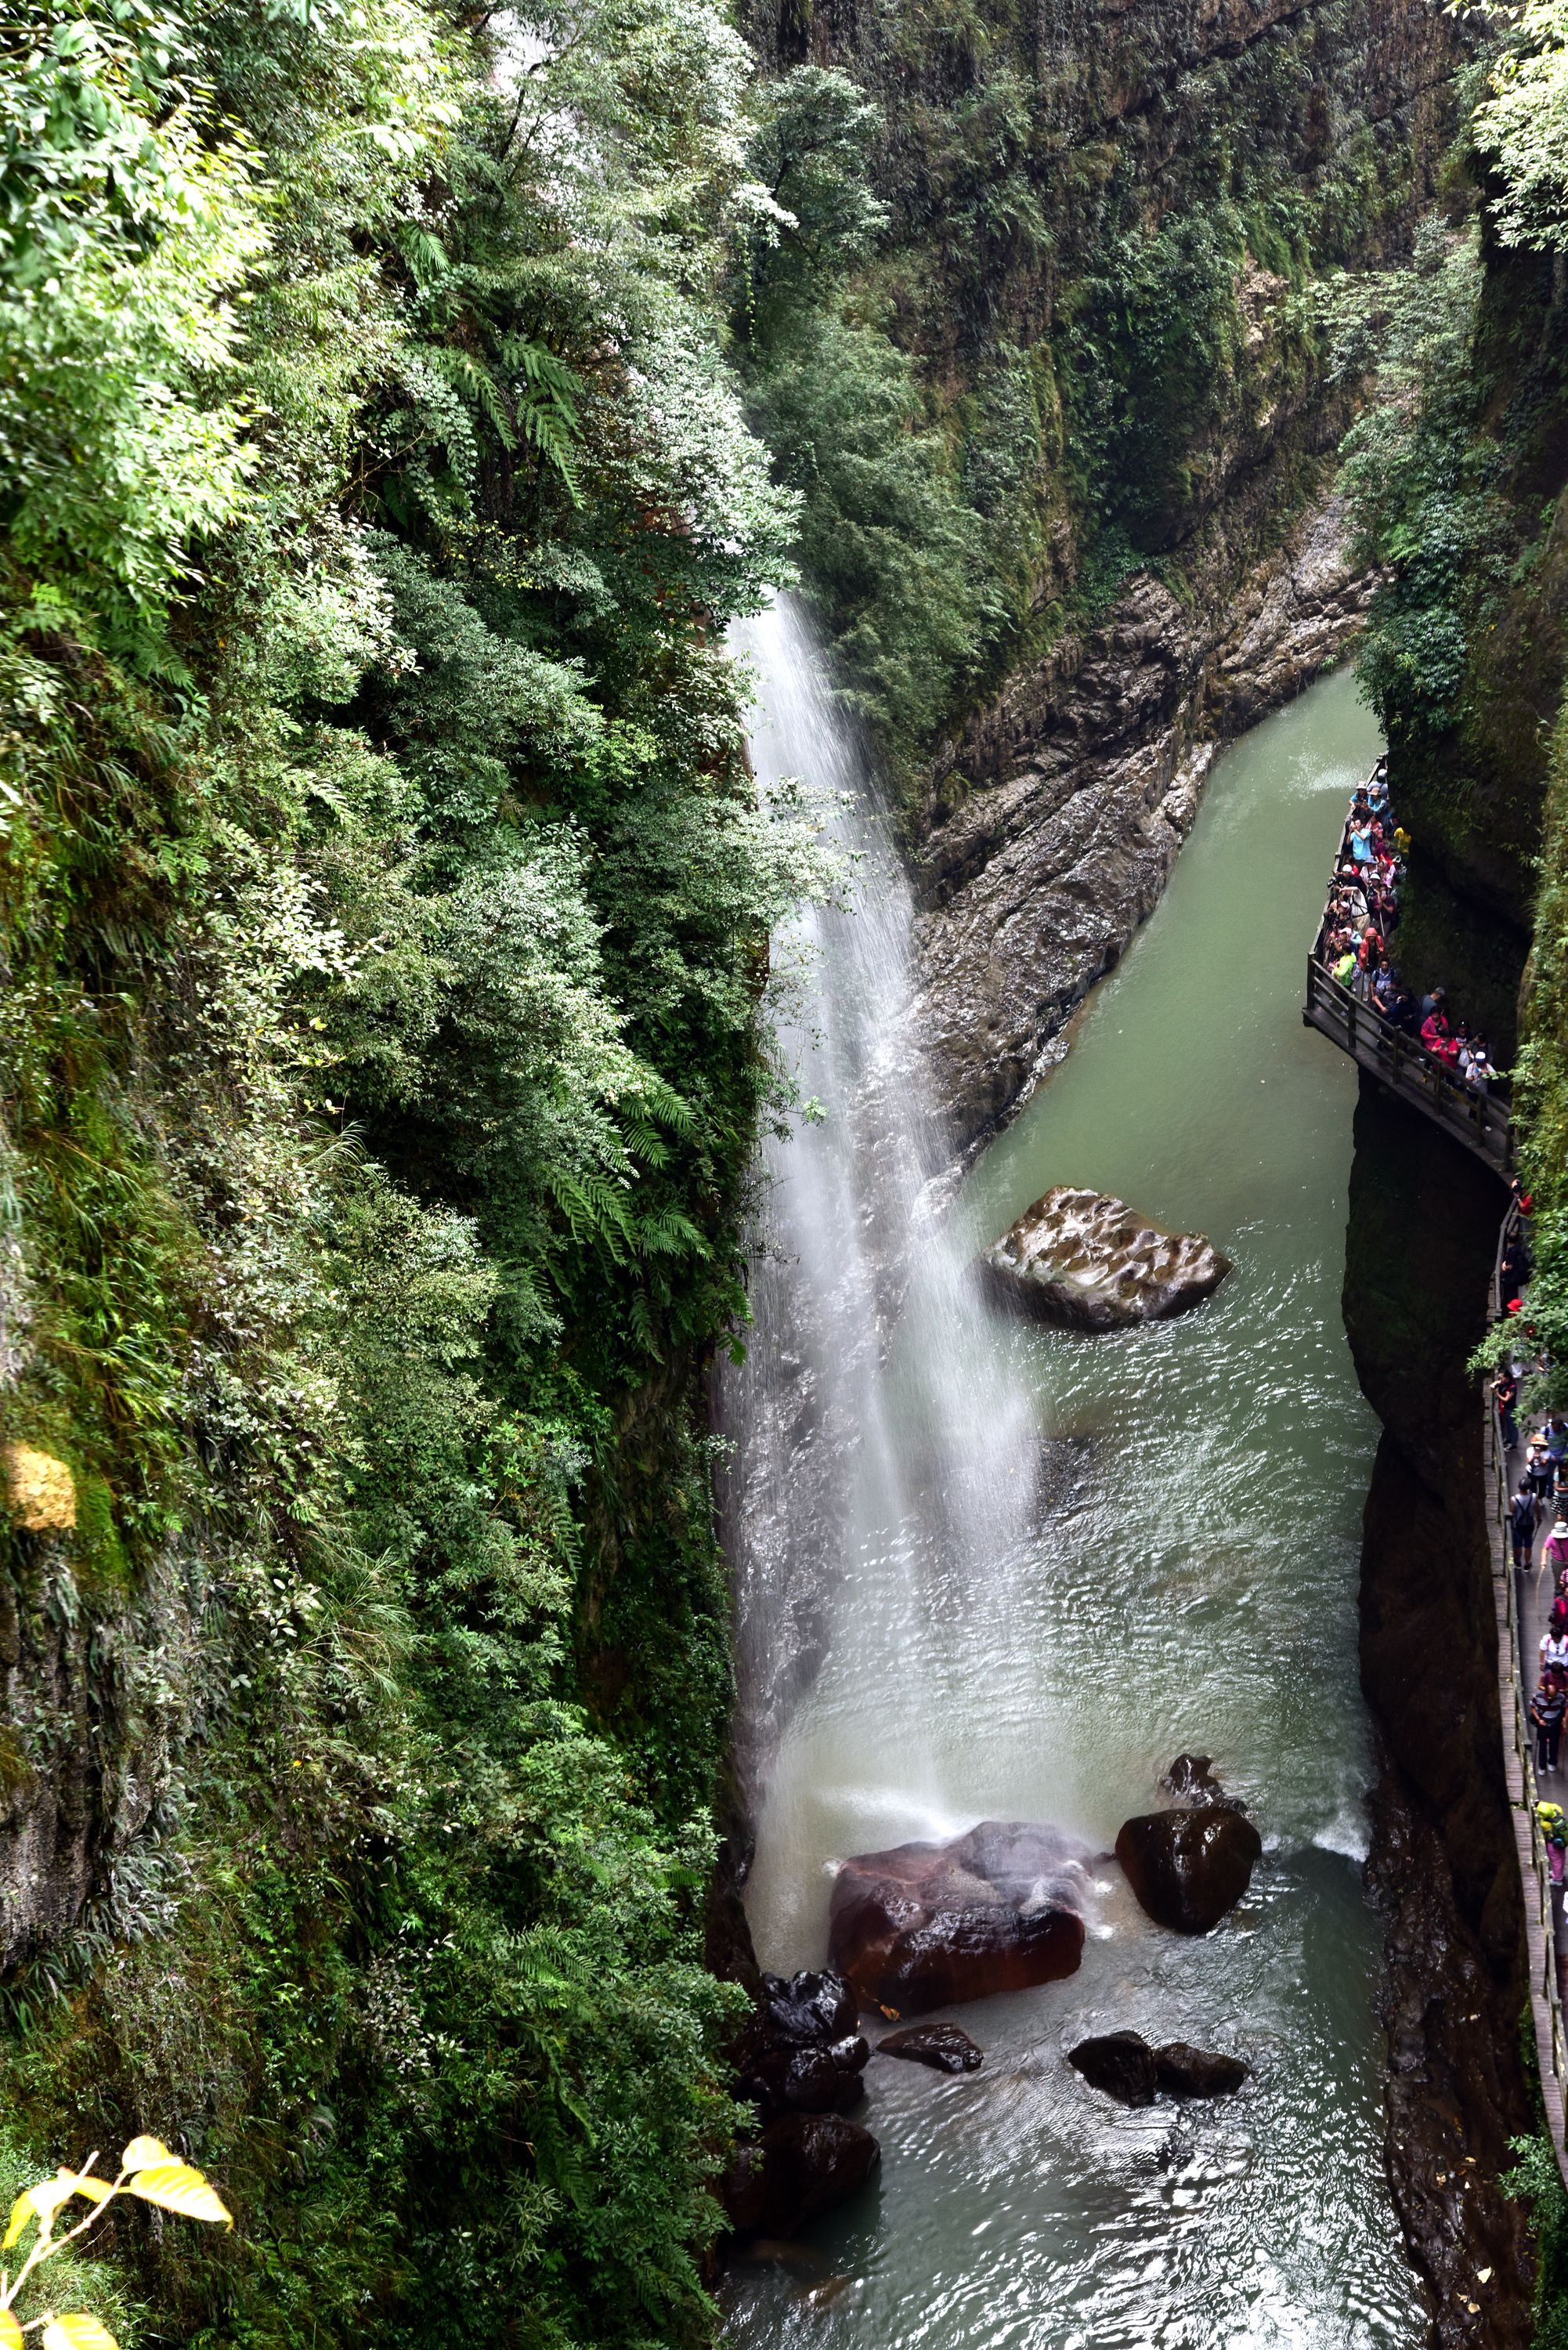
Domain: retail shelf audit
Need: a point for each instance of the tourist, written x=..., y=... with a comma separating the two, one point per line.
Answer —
x=1538, y=1471
x=1513, y=1271
x=1554, y=1649
x=1523, y=1517
x=1436, y=1034
x=1505, y=1395
x=1436, y=1001
x=1546, y=1710
x=1557, y=1449
x=1554, y=1550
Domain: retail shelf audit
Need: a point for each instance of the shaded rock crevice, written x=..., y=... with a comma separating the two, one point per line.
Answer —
x=1442, y=1871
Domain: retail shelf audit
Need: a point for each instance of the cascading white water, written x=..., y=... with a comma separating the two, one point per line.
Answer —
x=878, y=1428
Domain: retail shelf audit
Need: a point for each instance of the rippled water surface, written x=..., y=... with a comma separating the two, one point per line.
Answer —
x=1189, y=1497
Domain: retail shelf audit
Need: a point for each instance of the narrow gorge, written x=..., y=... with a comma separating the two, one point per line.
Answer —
x=748, y=1591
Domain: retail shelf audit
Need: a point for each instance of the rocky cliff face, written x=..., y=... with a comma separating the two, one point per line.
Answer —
x=1089, y=772
x=1423, y=1229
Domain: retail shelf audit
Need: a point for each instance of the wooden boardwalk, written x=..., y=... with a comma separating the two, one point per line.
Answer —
x=1480, y=1121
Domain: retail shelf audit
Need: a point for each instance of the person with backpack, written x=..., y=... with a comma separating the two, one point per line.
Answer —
x=1547, y=1707
x=1523, y=1517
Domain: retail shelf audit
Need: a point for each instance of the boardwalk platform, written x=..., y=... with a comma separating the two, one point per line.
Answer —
x=1480, y=1121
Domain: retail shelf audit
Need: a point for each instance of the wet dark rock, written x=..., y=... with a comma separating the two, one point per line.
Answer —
x=810, y=2007
x=1121, y=2064
x=1182, y=2070
x=801, y=2165
x=796, y=2055
x=946, y=2047
x=1188, y=1867
x=1190, y=1780
x=1089, y=1261
x=927, y=1925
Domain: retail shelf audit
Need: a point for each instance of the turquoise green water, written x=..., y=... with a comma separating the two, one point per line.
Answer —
x=1187, y=1579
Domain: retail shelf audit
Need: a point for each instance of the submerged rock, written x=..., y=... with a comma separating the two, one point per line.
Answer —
x=801, y=2166
x=1188, y=1867
x=1183, y=2070
x=1090, y=1262
x=1190, y=1780
x=927, y=1925
x=1121, y=2064
x=946, y=2047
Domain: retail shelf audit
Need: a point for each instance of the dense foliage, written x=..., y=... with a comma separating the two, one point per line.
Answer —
x=384, y=906
x=1024, y=336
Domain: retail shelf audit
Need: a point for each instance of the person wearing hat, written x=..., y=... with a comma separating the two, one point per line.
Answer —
x=1554, y=1554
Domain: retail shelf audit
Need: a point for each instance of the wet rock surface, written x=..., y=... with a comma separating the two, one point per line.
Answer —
x=1087, y=1261
x=1123, y=2065
x=1188, y=1867
x=803, y=2050
x=946, y=2047
x=929, y=1924
x=801, y=2166
x=1190, y=1780
x=1183, y=2070
x=1119, y=2064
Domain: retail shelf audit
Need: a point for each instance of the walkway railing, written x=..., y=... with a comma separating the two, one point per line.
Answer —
x=1479, y=1120
x=1512, y=1593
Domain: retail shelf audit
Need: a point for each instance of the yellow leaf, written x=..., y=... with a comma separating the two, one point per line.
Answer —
x=77, y=2330
x=142, y=2152
x=10, y=2332
x=22, y=2210
x=177, y=2187
x=93, y=2188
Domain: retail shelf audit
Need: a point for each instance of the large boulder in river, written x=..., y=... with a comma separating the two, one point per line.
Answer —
x=801, y=2166
x=1188, y=1867
x=927, y=1925
x=1090, y=1262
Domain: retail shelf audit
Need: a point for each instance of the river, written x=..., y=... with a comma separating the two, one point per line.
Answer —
x=1153, y=1547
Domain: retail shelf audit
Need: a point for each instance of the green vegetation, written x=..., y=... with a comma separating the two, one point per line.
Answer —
x=1010, y=355
x=385, y=907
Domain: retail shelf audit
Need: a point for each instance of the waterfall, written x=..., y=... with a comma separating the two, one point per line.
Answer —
x=883, y=1441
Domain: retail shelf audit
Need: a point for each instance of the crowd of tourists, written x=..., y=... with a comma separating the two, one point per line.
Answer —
x=1538, y=1532
x=1362, y=915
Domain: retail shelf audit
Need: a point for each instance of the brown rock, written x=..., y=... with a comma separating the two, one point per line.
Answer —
x=1188, y=1867
x=927, y=1925
x=1091, y=1263
x=946, y=2047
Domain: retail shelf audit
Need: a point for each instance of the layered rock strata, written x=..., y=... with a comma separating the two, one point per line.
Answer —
x=1080, y=783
